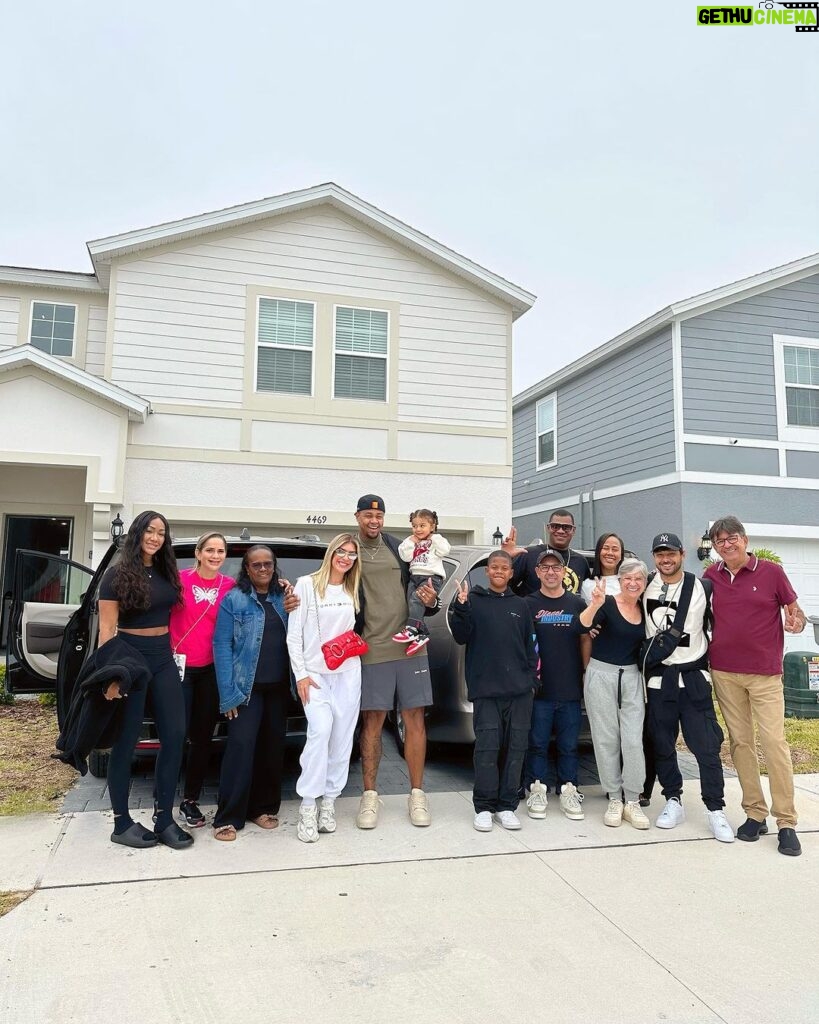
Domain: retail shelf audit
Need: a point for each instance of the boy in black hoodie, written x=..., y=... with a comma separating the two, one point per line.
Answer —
x=496, y=627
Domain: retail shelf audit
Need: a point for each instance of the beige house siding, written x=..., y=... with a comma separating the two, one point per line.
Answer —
x=95, y=340
x=9, y=319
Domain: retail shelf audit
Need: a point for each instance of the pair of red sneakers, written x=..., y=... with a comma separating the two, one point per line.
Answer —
x=413, y=638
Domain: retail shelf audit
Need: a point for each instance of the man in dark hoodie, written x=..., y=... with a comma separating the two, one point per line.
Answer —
x=496, y=627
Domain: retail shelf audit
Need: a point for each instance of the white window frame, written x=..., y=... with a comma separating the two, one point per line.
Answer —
x=52, y=302
x=785, y=431
x=551, y=398
x=360, y=355
x=286, y=348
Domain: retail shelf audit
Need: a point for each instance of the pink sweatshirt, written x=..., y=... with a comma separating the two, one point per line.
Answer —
x=193, y=622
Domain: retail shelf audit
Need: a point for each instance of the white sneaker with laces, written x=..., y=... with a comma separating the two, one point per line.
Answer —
x=718, y=824
x=419, y=808
x=570, y=801
x=507, y=819
x=368, y=809
x=327, y=816
x=614, y=815
x=671, y=815
x=307, y=829
x=634, y=814
x=482, y=822
x=537, y=801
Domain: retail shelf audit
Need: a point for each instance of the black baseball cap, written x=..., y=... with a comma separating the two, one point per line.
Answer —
x=370, y=501
x=550, y=553
x=666, y=540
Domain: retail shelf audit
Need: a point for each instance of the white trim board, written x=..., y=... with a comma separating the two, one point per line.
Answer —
x=786, y=532
x=722, y=441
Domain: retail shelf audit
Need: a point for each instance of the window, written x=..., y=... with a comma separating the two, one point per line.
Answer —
x=801, y=368
x=547, y=431
x=360, y=349
x=52, y=327
x=284, y=346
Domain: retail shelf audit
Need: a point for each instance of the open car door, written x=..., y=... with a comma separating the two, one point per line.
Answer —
x=46, y=591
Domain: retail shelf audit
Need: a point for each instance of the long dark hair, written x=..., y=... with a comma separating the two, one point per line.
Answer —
x=597, y=568
x=243, y=577
x=130, y=581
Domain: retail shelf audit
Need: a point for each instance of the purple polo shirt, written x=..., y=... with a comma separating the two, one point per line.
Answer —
x=748, y=634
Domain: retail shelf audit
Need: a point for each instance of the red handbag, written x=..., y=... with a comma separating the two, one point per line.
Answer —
x=344, y=646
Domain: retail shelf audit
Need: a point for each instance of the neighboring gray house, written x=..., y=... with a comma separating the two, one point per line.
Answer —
x=711, y=406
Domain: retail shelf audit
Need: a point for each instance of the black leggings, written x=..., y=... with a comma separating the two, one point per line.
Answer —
x=169, y=714
x=201, y=716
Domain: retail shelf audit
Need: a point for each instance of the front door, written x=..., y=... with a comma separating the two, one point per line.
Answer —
x=49, y=534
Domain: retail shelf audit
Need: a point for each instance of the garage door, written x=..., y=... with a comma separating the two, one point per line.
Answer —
x=800, y=560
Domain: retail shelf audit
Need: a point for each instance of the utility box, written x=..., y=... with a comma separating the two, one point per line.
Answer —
x=801, y=679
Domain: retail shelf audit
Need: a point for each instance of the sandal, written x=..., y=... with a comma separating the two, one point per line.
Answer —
x=266, y=821
x=225, y=833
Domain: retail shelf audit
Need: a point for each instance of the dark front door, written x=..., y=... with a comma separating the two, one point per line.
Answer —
x=49, y=534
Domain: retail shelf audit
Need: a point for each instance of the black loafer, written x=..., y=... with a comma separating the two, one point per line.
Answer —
x=175, y=837
x=136, y=836
x=789, y=843
x=752, y=830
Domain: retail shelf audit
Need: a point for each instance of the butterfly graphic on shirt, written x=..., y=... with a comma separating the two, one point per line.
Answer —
x=200, y=594
x=662, y=615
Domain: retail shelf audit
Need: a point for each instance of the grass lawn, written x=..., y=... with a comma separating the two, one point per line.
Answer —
x=29, y=780
x=10, y=900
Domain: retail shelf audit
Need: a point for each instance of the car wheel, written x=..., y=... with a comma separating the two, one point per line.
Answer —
x=400, y=731
x=98, y=763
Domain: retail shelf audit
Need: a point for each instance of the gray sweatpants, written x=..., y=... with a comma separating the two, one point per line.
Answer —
x=616, y=731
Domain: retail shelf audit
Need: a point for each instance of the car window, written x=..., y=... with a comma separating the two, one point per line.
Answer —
x=51, y=580
x=477, y=574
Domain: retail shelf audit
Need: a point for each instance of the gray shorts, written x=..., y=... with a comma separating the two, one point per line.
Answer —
x=404, y=683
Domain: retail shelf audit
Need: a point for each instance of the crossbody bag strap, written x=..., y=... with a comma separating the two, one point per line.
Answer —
x=315, y=599
x=686, y=593
x=204, y=613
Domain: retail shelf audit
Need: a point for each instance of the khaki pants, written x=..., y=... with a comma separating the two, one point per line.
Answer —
x=744, y=697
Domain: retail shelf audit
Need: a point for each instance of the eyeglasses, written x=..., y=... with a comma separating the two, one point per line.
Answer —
x=552, y=568
x=560, y=527
x=260, y=566
x=720, y=542
x=351, y=556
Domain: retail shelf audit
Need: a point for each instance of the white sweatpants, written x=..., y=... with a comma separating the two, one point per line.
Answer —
x=332, y=713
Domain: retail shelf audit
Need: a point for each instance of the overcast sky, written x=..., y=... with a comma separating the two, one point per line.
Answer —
x=609, y=157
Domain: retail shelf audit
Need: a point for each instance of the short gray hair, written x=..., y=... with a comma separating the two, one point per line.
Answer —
x=630, y=565
x=727, y=524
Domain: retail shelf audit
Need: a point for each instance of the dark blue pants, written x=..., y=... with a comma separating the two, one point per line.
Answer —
x=702, y=735
x=168, y=706
x=564, y=717
x=501, y=731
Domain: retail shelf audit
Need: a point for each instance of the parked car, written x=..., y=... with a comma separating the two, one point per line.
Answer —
x=53, y=629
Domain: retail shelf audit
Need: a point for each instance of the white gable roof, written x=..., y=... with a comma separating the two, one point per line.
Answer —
x=137, y=407
x=65, y=279
x=684, y=310
x=103, y=250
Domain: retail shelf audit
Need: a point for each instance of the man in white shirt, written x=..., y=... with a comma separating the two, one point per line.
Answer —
x=679, y=686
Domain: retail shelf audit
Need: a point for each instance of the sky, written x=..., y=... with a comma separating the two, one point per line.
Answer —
x=609, y=157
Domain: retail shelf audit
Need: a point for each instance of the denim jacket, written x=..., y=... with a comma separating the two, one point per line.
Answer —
x=237, y=641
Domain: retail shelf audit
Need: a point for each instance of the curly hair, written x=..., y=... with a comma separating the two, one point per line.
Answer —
x=425, y=513
x=130, y=582
x=243, y=577
x=597, y=568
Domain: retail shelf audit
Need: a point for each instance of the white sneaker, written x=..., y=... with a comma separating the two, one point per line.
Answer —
x=327, y=816
x=419, y=808
x=634, y=814
x=307, y=829
x=368, y=809
x=570, y=801
x=536, y=801
x=718, y=824
x=671, y=815
x=614, y=814
x=482, y=821
x=507, y=819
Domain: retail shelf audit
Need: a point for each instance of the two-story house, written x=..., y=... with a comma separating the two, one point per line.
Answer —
x=259, y=366
x=709, y=407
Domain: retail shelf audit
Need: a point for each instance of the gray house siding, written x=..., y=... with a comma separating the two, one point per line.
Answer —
x=711, y=458
x=728, y=360
x=614, y=423
x=804, y=464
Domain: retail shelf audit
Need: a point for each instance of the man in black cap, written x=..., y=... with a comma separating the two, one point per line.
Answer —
x=389, y=678
x=678, y=683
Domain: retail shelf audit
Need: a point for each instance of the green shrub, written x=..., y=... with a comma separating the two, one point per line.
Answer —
x=47, y=700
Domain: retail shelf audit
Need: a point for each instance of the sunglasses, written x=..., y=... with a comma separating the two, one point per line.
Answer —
x=260, y=566
x=350, y=556
x=560, y=527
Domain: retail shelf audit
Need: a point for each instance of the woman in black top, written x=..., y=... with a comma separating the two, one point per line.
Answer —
x=135, y=602
x=614, y=694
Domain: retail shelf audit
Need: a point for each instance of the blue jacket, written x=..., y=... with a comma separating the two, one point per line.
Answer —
x=237, y=641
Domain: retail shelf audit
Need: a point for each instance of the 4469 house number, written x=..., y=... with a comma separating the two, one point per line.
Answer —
x=317, y=520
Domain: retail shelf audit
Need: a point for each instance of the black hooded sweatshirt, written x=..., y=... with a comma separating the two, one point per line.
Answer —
x=500, y=653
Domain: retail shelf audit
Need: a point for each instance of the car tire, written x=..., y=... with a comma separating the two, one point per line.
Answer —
x=98, y=763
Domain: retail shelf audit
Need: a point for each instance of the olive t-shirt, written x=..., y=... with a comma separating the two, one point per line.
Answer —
x=385, y=604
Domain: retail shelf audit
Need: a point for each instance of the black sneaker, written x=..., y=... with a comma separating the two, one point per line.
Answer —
x=752, y=830
x=789, y=843
x=189, y=812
